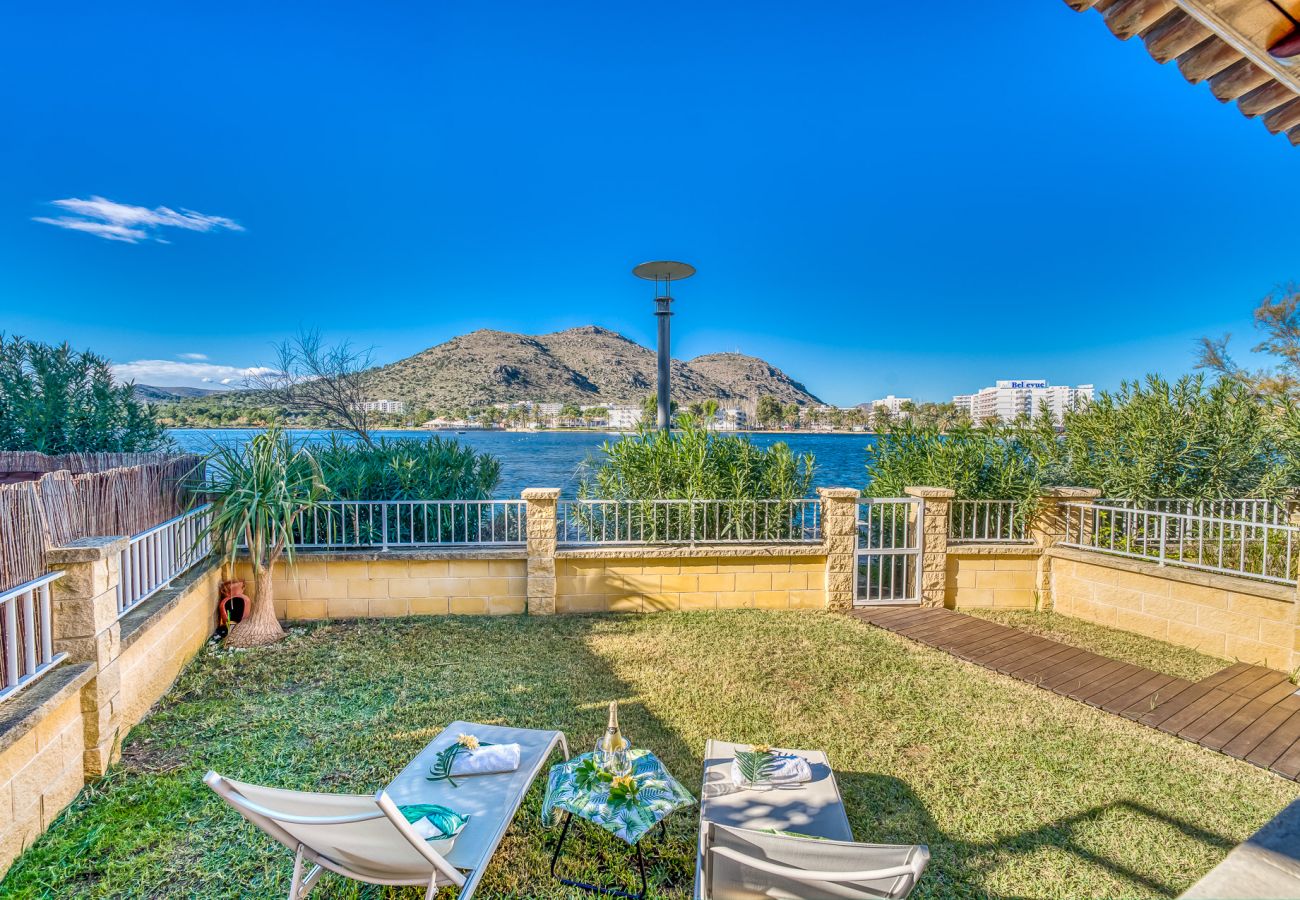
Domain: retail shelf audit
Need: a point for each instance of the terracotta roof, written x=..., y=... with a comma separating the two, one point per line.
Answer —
x=1225, y=43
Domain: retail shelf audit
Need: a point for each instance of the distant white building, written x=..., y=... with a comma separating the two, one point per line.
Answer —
x=383, y=406
x=1012, y=398
x=547, y=409
x=624, y=418
x=730, y=419
x=891, y=403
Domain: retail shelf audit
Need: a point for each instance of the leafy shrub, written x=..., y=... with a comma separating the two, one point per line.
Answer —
x=1185, y=439
x=692, y=464
x=55, y=400
x=1155, y=439
x=992, y=462
x=407, y=469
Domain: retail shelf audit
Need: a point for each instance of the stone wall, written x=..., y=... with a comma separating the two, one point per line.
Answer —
x=160, y=638
x=996, y=576
x=66, y=728
x=42, y=763
x=712, y=578
x=1223, y=615
x=352, y=585
x=432, y=582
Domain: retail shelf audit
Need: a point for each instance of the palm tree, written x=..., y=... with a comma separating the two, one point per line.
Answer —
x=258, y=492
x=709, y=413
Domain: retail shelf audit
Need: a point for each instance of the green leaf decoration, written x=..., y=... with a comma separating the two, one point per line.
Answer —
x=441, y=768
x=589, y=777
x=447, y=821
x=754, y=766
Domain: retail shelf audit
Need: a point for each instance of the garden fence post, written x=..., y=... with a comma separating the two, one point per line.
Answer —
x=839, y=514
x=934, y=542
x=540, y=507
x=86, y=627
x=1047, y=528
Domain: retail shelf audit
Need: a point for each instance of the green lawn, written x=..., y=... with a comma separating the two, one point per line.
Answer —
x=1158, y=656
x=1018, y=792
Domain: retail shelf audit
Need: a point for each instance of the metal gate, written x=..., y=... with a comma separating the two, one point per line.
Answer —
x=890, y=534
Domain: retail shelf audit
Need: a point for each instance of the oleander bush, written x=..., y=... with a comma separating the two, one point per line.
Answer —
x=758, y=484
x=407, y=469
x=55, y=400
x=1192, y=438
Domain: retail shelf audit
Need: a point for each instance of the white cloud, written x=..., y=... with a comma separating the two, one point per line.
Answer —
x=170, y=373
x=197, y=357
x=130, y=224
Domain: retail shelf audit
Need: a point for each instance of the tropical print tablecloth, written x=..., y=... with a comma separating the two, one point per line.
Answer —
x=627, y=808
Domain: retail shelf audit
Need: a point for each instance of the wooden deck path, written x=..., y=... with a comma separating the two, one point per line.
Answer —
x=1245, y=711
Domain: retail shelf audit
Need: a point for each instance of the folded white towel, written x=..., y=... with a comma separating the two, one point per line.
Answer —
x=785, y=768
x=486, y=760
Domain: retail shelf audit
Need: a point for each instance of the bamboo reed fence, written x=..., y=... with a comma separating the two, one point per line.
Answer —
x=80, y=463
x=92, y=497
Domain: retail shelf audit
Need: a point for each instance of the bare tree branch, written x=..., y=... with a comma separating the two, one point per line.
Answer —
x=327, y=381
x=1278, y=317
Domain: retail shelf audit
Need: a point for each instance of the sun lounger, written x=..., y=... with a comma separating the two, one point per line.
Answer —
x=790, y=841
x=366, y=837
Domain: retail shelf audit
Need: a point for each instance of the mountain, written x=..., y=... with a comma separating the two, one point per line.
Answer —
x=152, y=392
x=749, y=376
x=586, y=365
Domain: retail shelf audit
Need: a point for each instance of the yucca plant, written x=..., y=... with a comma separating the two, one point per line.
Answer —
x=259, y=491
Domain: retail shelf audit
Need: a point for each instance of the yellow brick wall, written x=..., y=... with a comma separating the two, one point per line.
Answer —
x=655, y=585
x=1231, y=623
x=151, y=664
x=343, y=589
x=40, y=773
x=987, y=580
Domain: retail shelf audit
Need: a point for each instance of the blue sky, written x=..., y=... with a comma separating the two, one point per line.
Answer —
x=877, y=201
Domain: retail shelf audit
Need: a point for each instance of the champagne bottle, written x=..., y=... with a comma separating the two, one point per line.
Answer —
x=612, y=749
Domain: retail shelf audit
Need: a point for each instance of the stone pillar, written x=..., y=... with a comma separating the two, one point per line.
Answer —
x=1292, y=505
x=934, y=542
x=86, y=627
x=541, y=504
x=840, y=543
x=1047, y=529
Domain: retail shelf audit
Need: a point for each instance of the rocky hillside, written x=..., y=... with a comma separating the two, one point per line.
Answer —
x=153, y=392
x=586, y=365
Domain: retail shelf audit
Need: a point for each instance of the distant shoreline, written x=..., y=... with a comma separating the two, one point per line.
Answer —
x=510, y=430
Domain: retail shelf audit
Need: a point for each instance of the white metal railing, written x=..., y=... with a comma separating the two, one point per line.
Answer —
x=26, y=634
x=986, y=521
x=411, y=523
x=1254, y=549
x=154, y=558
x=1247, y=509
x=689, y=521
x=890, y=539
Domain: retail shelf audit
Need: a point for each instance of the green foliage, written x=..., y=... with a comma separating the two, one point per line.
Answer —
x=650, y=409
x=992, y=462
x=259, y=490
x=768, y=411
x=755, y=765
x=1147, y=440
x=1185, y=439
x=55, y=400
x=691, y=464
x=407, y=469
